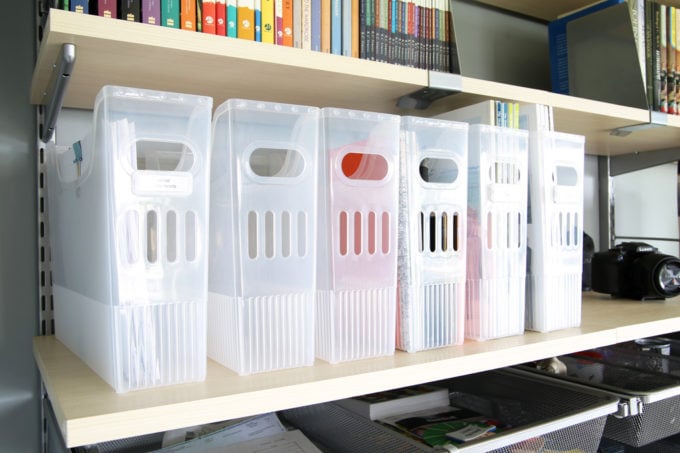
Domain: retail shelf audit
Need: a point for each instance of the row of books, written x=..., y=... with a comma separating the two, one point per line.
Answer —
x=416, y=33
x=655, y=31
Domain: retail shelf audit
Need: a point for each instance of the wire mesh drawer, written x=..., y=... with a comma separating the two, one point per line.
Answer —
x=537, y=414
x=649, y=393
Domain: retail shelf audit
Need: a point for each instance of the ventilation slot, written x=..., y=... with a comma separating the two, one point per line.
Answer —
x=361, y=233
x=504, y=173
x=158, y=239
x=565, y=230
x=439, y=231
x=504, y=230
x=277, y=235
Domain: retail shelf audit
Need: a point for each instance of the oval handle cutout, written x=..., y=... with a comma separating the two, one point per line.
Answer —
x=162, y=156
x=276, y=162
x=439, y=171
x=367, y=167
x=565, y=176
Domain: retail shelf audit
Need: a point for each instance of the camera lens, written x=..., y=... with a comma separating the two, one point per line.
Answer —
x=669, y=276
x=659, y=274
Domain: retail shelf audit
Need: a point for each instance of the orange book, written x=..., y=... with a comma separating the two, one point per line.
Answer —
x=326, y=26
x=246, y=19
x=287, y=19
x=188, y=15
x=208, y=22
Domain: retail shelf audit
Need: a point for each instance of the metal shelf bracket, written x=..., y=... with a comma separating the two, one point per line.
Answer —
x=56, y=88
x=440, y=84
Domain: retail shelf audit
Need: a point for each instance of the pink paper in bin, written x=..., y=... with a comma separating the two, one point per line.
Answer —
x=357, y=235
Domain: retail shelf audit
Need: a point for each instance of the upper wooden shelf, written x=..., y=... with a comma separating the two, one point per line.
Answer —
x=89, y=411
x=118, y=52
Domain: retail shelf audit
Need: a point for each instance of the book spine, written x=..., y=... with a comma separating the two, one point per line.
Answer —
x=257, y=12
x=297, y=24
x=108, y=8
x=79, y=6
x=663, y=58
x=670, y=73
x=232, y=18
x=278, y=22
x=246, y=19
x=306, y=23
x=208, y=16
x=336, y=27
x=346, y=32
x=677, y=61
x=326, y=25
x=65, y=5
x=268, y=24
x=221, y=17
x=316, y=25
x=151, y=12
x=287, y=21
x=355, y=28
x=188, y=15
x=170, y=13
x=130, y=10
x=649, y=52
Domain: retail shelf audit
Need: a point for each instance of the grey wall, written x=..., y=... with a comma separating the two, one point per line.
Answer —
x=19, y=381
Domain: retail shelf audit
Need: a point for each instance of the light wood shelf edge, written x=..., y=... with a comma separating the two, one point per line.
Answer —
x=89, y=411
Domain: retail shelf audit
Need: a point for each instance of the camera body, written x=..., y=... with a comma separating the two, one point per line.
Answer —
x=635, y=270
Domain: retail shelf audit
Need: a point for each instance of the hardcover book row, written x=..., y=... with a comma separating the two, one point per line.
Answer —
x=267, y=234
x=417, y=33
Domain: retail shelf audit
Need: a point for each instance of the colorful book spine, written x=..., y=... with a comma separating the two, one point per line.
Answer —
x=130, y=10
x=346, y=24
x=221, y=17
x=232, y=19
x=326, y=25
x=187, y=15
x=287, y=23
x=108, y=8
x=209, y=16
x=65, y=5
x=79, y=6
x=278, y=22
x=151, y=12
x=268, y=22
x=316, y=25
x=355, y=27
x=336, y=27
x=677, y=61
x=170, y=13
x=246, y=19
x=663, y=58
x=258, y=20
x=670, y=73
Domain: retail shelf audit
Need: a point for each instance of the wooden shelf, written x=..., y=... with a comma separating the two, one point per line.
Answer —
x=118, y=52
x=89, y=411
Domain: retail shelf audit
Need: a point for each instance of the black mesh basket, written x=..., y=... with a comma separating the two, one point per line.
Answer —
x=646, y=384
x=542, y=415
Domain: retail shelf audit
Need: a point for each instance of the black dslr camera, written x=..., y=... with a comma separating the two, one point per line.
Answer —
x=636, y=270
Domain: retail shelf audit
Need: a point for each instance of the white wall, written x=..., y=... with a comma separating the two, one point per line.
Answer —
x=646, y=207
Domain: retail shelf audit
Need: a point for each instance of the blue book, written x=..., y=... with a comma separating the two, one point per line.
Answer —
x=336, y=27
x=316, y=25
x=80, y=6
x=557, y=42
x=258, y=21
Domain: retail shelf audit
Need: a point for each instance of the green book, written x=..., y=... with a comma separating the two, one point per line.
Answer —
x=170, y=13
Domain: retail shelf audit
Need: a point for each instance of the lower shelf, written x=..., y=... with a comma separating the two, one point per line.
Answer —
x=89, y=411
